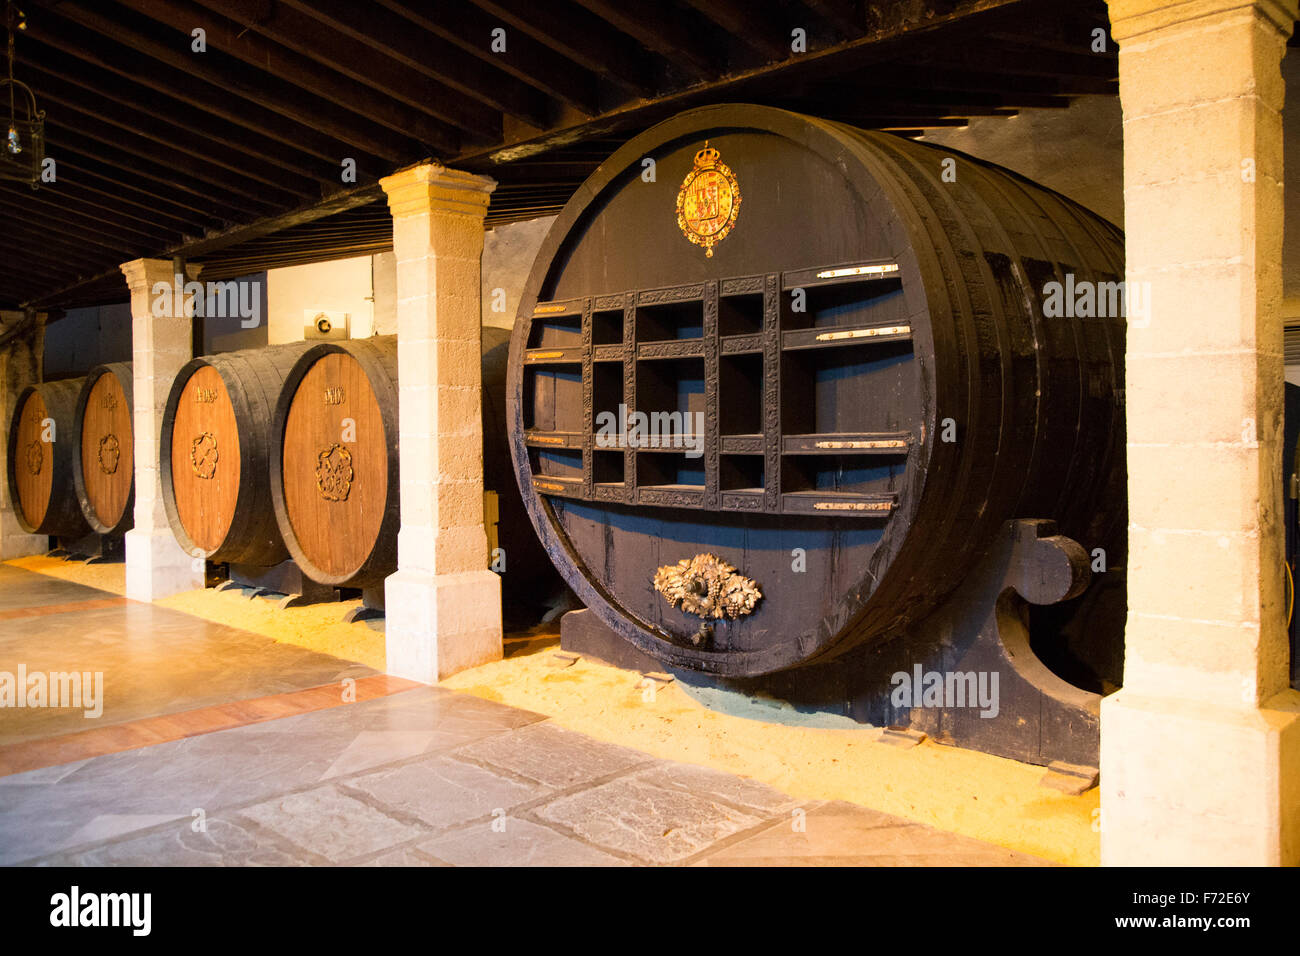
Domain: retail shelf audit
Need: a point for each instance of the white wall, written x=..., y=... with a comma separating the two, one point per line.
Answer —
x=341, y=285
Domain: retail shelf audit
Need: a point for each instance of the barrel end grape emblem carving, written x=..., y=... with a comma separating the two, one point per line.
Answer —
x=203, y=455
x=110, y=452
x=334, y=473
x=708, y=201
x=707, y=587
x=35, y=457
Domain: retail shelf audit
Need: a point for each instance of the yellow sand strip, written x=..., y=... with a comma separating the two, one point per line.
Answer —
x=317, y=627
x=962, y=791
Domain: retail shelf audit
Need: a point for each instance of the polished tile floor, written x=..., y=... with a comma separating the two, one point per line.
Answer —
x=218, y=747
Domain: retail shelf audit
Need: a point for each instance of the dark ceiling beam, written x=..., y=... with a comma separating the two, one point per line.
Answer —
x=180, y=170
x=678, y=36
x=138, y=107
x=153, y=201
x=76, y=245
x=288, y=113
x=844, y=15
x=953, y=100
x=90, y=47
x=154, y=179
x=54, y=247
x=251, y=48
x=1015, y=58
x=392, y=36
x=913, y=77
x=23, y=273
x=199, y=247
x=103, y=114
x=40, y=210
x=525, y=59
x=51, y=202
x=891, y=40
x=116, y=206
x=310, y=38
x=749, y=23
x=581, y=37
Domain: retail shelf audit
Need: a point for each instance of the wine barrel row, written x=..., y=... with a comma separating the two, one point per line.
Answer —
x=43, y=444
x=865, y=343
x=291, y=452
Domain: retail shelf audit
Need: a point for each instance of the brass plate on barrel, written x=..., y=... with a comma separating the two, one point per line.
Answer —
x=708, y=201
x=107, y=455
x=335, y=511
x=205, y=460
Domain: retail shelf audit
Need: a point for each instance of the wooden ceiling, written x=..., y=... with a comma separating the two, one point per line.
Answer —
x=232, y=157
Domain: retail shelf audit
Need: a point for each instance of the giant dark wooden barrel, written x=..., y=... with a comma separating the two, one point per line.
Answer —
x=42, y=443
x=215, y=454
x=860, y=319
x=103, y=466
x=334, y=464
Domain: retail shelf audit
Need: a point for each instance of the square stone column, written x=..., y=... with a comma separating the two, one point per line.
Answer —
x=156, y=566
x=22, y=363
x=1200, y=750
x=443, y=605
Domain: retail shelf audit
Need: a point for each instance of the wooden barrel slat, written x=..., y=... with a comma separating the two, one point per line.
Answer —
x=42, y=444
x=214, y=454
x=104, y=466
x=1033, y=399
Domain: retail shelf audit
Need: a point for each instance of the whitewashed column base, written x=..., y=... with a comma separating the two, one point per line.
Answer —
x=157, y=567
x=1187, y=783
x=437, y=625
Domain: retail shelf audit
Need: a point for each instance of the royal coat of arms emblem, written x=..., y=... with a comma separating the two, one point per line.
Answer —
x=708, y=201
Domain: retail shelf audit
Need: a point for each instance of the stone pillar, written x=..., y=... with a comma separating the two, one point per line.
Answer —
x=156, y=566
x=22, y=363
x=443, y=605
x=1200, y=750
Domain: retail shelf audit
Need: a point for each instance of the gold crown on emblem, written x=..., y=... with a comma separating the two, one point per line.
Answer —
x=706, y=157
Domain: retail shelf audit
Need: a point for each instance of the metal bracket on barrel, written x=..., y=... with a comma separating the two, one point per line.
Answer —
x=1041, y=718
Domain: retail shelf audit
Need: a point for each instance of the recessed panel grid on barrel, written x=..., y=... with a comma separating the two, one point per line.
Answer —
x=33, y=466
x=205, y=459
x=107, y=450
x=335, y=465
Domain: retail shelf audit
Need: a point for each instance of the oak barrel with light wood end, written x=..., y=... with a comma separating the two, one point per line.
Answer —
x=103, y=466
x=860, y=326
x=334, y=462
x=215, y=455
x=42, y=443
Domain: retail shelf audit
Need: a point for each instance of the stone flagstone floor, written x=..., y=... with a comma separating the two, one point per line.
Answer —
x=420, y=777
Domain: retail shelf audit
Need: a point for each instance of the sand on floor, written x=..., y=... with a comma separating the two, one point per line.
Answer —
x=974, y=794
x=317, y=627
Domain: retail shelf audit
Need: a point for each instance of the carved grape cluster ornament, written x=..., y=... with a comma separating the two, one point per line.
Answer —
x=110, y=452
x=334, y=473
x=204, y=455
x=35, y=457
x=708, y=587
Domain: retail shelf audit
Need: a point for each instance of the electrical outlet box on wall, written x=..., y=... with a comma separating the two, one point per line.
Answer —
x=321, y=324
